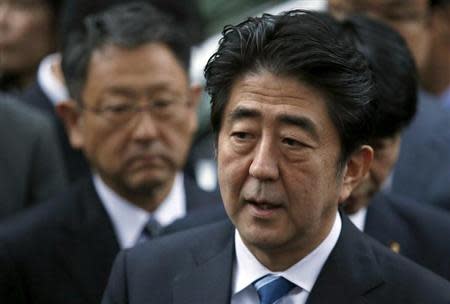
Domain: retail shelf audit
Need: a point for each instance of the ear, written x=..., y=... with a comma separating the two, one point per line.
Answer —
x=70, y=114
x=193, y=104
x=356, y=168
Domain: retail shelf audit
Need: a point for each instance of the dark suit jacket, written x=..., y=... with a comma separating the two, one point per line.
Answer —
x=31, y=165
x=75, y=162
x=419, y=232
x=195, y=266
x=422, y=171
x=62, y=251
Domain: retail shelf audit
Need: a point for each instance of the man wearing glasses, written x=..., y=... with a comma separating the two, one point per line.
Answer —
x=133, y=114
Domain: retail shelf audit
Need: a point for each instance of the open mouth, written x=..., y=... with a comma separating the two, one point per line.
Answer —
x=265, y=206
x=263, y=209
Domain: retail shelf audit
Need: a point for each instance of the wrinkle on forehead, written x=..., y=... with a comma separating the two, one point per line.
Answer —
x=275, y=90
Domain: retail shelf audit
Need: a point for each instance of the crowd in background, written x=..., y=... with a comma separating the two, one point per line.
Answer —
x=52, y=151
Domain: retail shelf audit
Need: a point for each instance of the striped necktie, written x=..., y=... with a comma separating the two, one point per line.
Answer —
x=271, y=288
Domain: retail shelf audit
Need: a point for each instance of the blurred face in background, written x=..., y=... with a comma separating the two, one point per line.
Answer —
x=27, y=34
x=437, y=77
x=386, y=151
x=137, y=120
x=408, y=17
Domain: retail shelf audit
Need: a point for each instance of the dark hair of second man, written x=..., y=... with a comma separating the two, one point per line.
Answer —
x=394, y=72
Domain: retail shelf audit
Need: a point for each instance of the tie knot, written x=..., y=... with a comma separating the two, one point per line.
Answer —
x=271, y=288
x=151, y=229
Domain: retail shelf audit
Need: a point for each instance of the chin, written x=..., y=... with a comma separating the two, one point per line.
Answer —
x=262, y=238
x=145, y=185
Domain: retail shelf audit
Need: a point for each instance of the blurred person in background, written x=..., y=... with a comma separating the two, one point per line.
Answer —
x=49, y=90
x=422, y=171
x=133, y=114
x=28, y=32
x=417, y=231
x=31, y=165
x=437, y=71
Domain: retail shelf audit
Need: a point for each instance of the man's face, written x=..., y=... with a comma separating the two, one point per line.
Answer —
x=386, y=152
x=139, y=155
x=277, y=161
x=438, y=76
x=26, y=34
x=408, y=17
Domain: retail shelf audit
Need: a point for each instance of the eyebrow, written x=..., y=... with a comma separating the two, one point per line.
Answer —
x=123, y=90
x=241, y=113
x=300, y=122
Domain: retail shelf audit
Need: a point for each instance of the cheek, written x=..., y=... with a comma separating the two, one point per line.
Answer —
x=104, y=147
x=312, y=187
x=33, y=40
x=232, y=172
x=36, y=29
x=177, y=140
x=417, y=39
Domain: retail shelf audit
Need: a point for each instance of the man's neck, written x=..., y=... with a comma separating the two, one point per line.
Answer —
x=283, y=257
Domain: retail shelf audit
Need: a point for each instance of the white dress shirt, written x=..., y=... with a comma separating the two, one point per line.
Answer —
x=52, y=87
x=304, y=273
x=128, y=219
x=359, y=218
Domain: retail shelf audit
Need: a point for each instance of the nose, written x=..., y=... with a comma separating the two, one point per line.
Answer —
x=145, y=127
x=264, y=165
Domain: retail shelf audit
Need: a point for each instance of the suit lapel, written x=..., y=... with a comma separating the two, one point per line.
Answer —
x=350, y=271
x=210, y=279
x=89, y=245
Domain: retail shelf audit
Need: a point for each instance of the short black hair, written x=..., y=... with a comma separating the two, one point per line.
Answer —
x=394, y=72
x=302, y=45
x=128, y=26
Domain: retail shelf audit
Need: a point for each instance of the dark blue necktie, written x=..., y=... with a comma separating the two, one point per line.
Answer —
x=271, y=288
x=151, y=229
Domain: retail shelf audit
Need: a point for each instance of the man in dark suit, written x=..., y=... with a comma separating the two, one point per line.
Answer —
x=422, y=171
x=291, y=107
x=133, y=114
x=31, y=165
x=421, y=233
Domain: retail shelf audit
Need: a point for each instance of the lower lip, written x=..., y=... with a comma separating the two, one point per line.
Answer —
x=263, y=213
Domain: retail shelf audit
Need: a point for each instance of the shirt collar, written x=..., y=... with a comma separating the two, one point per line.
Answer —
x=359, y=218
x=129, y=220
x=304, y=273
x=49, y=83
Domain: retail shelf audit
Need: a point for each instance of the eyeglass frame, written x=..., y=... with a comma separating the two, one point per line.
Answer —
x=130, y=110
